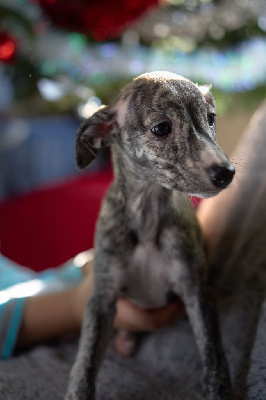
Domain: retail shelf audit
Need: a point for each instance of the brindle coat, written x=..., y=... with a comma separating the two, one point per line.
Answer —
x=148, y=244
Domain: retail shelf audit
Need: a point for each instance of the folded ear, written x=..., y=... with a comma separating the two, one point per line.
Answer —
x=93, y=134
x=205, y=90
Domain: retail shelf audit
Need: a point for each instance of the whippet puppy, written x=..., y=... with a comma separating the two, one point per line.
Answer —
x=148, y=245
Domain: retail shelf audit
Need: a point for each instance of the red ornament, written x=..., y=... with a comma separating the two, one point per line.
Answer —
x=8, y=48
x=103, y=19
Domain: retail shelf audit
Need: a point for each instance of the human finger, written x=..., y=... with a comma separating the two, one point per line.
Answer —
x=135, y=319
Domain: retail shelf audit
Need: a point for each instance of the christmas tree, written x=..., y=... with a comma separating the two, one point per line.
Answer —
x=103, y=44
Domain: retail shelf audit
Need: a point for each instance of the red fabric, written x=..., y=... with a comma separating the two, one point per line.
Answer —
x=47, y=227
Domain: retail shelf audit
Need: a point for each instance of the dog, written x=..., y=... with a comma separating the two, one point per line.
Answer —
x=148, y=245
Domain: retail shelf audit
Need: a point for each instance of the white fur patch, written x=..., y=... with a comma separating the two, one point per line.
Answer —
x=139, y=153
x=147, y=277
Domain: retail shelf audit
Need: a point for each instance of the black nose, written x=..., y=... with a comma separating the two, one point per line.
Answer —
x=221, y=175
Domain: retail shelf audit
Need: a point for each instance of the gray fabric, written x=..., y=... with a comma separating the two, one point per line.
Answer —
x=167, y=366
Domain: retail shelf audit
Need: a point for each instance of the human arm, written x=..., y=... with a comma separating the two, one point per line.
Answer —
x=51, y=315
x=47, y=316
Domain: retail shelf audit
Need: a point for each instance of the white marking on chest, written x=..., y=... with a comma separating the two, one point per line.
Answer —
x=147, y=277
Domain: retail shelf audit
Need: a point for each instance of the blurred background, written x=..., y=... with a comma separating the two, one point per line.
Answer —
x=61, y=59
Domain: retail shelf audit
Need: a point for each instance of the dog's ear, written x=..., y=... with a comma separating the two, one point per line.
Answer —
x=93, y=134
x=206, y=91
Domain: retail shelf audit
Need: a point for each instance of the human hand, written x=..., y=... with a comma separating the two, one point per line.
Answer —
x=128, y=316
x=135, y=319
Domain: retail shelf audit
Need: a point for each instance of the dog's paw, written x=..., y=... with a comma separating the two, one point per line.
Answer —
x=125, y=343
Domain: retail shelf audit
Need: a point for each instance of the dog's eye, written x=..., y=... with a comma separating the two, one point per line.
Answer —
x=162, y=129
x=211, y=119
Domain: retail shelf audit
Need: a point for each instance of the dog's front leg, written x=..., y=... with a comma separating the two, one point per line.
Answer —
x=201, y=310
x=96, y=330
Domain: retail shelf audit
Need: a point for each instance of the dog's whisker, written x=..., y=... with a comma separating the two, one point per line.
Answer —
x=240, y=165
x=237, y=180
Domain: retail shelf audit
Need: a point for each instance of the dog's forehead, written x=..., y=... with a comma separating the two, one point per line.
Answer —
x=172, y=85
x=155, y=89
x=158, y=92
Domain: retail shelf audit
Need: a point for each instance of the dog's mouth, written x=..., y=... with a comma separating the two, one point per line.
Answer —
x=216, y=178
x=205, y=195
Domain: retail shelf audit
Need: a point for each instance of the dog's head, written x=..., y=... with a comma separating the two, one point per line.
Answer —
x=163, y=125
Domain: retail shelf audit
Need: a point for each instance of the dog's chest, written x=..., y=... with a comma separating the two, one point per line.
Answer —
x=150, y=273
x=148, y=278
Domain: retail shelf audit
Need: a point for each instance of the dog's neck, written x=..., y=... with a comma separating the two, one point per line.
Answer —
x=144, y=201
x=129, y=181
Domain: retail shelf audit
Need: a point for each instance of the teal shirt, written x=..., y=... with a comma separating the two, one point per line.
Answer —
x=16, y=284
